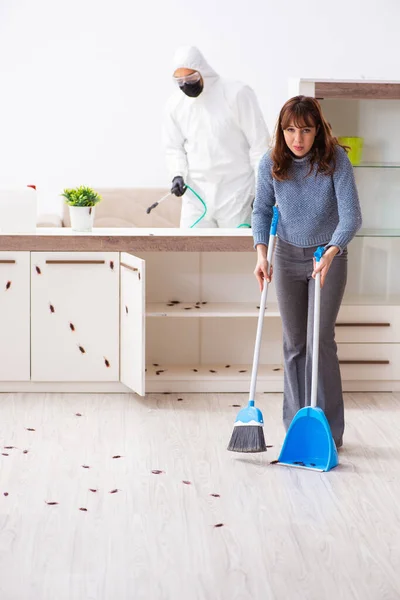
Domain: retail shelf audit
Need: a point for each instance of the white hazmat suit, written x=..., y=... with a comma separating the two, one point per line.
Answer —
x=215, y=142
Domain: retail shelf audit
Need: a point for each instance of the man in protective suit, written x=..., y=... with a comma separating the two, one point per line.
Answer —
x=215, y=136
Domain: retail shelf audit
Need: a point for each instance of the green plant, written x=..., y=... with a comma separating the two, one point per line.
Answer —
x=81, y=196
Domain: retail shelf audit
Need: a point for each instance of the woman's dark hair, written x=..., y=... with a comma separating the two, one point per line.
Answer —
x=302, y=111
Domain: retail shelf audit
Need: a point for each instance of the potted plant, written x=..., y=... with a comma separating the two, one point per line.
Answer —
x=81, y=201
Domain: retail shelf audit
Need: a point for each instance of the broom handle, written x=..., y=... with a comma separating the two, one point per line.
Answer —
x=317, y=311
x=263, y=302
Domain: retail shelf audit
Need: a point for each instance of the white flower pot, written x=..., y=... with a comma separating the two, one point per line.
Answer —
x=81, y=217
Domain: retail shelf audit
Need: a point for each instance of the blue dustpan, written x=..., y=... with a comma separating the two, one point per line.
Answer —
x=309, y=443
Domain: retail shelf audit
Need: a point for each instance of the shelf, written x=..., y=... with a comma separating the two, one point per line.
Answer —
x=247, y=309
x=377, y=165
x=211, y=309
x=212, y=372
x=378, y=233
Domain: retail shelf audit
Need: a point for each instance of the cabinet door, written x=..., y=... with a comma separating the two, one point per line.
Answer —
x=15, y=316
x=75, y=316
x=133, y=315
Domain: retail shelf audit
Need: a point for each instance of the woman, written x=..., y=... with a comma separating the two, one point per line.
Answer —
x=309, y=176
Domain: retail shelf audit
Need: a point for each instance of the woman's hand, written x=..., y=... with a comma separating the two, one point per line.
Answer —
x=325, y=263
x=262, y=271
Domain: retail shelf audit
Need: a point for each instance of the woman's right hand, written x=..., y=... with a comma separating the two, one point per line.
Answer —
x=262, y=270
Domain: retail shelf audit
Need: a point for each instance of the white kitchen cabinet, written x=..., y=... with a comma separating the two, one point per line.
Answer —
x=75, y=316
x=14, y=316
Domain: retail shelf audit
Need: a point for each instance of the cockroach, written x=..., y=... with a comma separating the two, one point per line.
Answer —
x=197, y=306
x=10, y=447
x=85, y=467
x=195, y=370
x=179, y=399
x=219, y=525
x=52, y=309
x=227, y=366
x=139, y=276
x=82, y=349
x=114, y=491
x=126, y=310
x=243, y=371
x=212, y=371
x=5, y=494
x=38, y=271
x=204, y=302
x=166, y=393
x=235, y=405
x=170, y=304
x=106, y=362
x=188, y=308
x=92, y=490
x=187, y=482
x=72, y=327
x=175, y=301
x=90, y=210
x=112, y=265
x=78, y=414
x=156, y=365
x=25, y=451
x=51, y=503
x=274, y=462
x=160, y=371
x=157, y=472
x=30, y=429
x=277, y=369
x=197, y=303
x=83, y=509
x=5, y=454
x=117, y=456
x=269, y=446
x=215, y=495
x=8, y=285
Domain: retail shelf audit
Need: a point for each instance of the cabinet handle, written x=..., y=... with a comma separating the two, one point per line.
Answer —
x=7, y=262
x=364, y=362
x=362, y=324
x=75, y=262
x=129, y=267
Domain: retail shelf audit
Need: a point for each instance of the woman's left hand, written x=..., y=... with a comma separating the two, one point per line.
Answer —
x=325, y=263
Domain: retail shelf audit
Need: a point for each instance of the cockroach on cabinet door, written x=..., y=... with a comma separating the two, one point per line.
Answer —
x=112, y=265
x=72, y=327
x=106, y=362
x=52, y=309
x=8, y=285
x=38, y=271
x=82, y=349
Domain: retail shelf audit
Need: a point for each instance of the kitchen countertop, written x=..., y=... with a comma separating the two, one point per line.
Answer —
x=62, y=239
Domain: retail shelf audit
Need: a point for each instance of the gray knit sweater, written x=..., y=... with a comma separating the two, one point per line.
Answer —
x=314, y=210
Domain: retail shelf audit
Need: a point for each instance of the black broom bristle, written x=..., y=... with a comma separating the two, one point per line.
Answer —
x=247, y=438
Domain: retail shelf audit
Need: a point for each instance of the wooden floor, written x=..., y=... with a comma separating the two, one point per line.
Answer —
x=284, y=535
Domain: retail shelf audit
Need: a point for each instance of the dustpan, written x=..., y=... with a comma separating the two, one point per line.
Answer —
x=309, y=443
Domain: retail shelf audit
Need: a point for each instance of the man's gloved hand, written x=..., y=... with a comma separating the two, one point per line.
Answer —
x=178, y=186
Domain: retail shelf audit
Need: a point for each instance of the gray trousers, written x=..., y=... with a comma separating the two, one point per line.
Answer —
x=295, y=288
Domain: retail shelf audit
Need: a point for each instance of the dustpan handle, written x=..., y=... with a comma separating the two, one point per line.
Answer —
x=263, y=302
x=317, y=311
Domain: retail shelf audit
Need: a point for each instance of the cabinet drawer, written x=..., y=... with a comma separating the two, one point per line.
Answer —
x=369, y=361
x=75, y=316
x=375, y=324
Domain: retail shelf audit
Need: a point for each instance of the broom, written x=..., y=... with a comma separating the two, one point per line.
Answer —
x=248, y=433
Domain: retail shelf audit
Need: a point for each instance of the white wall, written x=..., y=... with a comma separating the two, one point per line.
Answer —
x=83, y=82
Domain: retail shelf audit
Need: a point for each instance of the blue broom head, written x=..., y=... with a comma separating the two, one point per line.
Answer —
x=250, y=415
